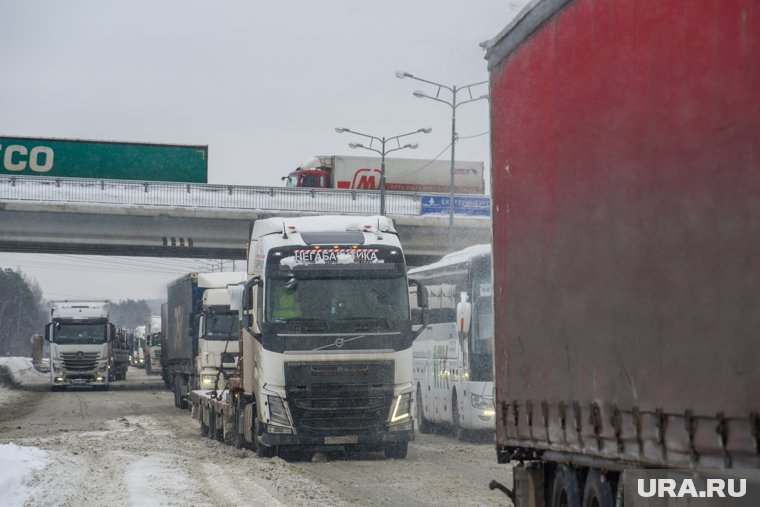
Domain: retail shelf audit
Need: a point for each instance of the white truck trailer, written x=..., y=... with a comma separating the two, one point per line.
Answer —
x=326, y=342
x=79, y=333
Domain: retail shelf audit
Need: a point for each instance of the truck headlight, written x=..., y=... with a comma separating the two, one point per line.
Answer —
x=401, y=408
x=277, y=412
x=207, y=381
x=481, y=402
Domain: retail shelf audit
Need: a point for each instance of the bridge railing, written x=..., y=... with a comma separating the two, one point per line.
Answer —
x=123, y=192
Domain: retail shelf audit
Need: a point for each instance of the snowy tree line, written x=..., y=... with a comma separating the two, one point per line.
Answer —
x=24, y=312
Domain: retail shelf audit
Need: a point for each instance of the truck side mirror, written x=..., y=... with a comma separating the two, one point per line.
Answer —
x=197, y=323
x=49, y=332
x=464, y=314
x=246, y=309
x=236, y=293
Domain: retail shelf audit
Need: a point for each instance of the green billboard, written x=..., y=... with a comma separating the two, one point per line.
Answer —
x=103, y=160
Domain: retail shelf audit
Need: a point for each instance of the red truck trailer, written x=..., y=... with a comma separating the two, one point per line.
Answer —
x=626, y=243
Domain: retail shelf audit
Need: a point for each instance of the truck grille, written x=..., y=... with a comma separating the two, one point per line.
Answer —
x=79, y=361
x=334, y=399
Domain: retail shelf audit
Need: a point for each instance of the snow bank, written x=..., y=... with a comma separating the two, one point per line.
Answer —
x=16, y=467
x=18, y=371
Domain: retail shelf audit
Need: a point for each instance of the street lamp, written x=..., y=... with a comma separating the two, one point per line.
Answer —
x=383, y=152
x=454, y=105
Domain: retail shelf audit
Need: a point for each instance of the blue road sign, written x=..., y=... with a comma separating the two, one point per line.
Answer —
x=463, y=205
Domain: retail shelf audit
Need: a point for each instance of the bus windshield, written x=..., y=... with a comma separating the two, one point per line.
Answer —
x=481, y=343
x=79, y=333
x=338, y=300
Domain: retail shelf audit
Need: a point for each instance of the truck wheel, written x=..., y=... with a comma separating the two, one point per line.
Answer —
x=456, y=423
x=204, y=427
x=219, y=433
x=422, y=424
x=240, y=442
x=211, y=425
x=179, y=390
x=265, y=451
x=565, y=491
x=597, y=493
x=396, y=450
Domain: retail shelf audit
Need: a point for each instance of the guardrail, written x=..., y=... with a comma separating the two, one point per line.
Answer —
x=148, y=193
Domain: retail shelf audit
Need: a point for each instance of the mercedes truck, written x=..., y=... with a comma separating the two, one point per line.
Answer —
x=79, y=333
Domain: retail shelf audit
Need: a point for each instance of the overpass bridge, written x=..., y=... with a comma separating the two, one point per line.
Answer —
x=156, y=219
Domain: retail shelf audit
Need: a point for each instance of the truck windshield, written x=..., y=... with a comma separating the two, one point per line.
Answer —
x=218, y=326
x=384, y=301
x=481, y=343
x=155, y=340
x=312, y=180
x=79, y=333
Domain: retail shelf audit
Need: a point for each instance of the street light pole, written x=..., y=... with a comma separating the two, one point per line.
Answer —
x=453, y=104
x=383, y=152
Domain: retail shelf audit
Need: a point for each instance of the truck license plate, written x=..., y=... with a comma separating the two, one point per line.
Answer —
x=348, y=439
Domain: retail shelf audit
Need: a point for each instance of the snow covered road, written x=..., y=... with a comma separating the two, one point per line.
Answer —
x=131, y=446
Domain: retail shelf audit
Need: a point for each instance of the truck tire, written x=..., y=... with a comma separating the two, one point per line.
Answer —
x=219, y=432
x=265, y=451
x=565, y=491
x=396, y=450
x=204, y=428
x=179, y=392
x=423, y=424
x=211, y=425
x=597, y=493
x=239, y=442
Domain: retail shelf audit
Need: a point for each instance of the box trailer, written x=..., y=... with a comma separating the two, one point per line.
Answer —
x=626, y=219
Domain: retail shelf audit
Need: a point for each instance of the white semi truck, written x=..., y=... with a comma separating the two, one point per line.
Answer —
x=326, y=342
x=153, y=339
x=79, y=333
x=199, y=325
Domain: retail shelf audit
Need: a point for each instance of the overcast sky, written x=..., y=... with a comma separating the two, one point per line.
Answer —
x=262, y=84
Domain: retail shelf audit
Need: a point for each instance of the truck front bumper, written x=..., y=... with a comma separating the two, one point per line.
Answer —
x=367, y=440
x=80, y=379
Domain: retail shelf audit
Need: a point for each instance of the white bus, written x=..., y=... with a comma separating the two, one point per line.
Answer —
x=453, y=357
